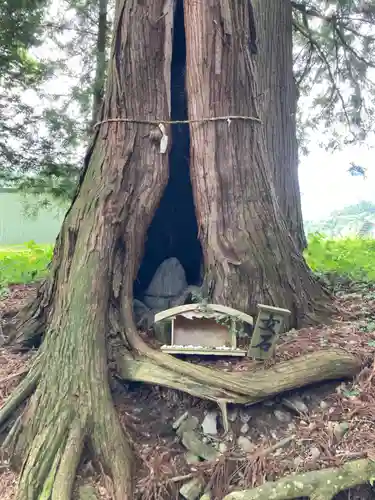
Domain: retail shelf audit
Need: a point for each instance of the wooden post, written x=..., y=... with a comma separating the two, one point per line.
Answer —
x=269, y=324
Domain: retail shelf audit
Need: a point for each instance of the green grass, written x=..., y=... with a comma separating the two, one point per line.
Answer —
x=349, y=258
x=22, y=264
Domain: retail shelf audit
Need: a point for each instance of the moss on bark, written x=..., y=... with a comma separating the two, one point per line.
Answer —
x=317, y=485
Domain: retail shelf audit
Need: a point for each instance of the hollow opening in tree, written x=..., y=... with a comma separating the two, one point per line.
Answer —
x=174, y=230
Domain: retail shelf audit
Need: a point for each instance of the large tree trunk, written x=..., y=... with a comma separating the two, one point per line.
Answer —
x=278, y=104
x=249, y=255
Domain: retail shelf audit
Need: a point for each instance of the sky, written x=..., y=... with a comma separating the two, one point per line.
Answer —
x=326, y=184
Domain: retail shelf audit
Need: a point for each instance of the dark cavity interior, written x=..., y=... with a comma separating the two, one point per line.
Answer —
x=173, y=231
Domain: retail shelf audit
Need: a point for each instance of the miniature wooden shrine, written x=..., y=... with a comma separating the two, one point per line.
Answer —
x=213, y=329
x=204, y=329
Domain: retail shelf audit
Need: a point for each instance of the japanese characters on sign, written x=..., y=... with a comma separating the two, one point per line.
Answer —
x=269, y=324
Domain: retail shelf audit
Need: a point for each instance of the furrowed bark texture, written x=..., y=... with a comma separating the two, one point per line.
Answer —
x=124, y=178
x=249, y=254
x=243, y=387
x=278, y=105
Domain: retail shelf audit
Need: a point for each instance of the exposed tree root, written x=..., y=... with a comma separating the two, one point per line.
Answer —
x=254, y=386
x=156, y=367
x=317, y=485
x=71, y=404
x=24, y=389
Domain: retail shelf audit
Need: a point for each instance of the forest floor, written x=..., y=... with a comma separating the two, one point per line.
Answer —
x=326, y=424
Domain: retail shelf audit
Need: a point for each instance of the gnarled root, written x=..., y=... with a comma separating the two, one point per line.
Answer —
x=71, y=404
x=317, y=485
x=158, y=368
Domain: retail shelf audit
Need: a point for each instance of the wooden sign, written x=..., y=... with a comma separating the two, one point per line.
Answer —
x=269, y=324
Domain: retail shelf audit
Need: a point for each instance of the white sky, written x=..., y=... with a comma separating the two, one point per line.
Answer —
x=326, y=184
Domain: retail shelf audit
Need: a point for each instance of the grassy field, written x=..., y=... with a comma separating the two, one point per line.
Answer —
x=23, y=263
x=348, y=258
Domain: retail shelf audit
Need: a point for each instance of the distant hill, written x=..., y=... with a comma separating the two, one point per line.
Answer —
x=351, y=220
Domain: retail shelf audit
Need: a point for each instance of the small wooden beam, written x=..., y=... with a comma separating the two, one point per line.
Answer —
x=199, y=351
x=268, y=326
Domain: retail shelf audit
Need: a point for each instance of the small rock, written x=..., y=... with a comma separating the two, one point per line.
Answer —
x=245, y=444
x=232, y=415
x=176, y=424
x=193, y=489
x=340, y=429
x=323, y=405
x=244, y=429
x=268, y=403
x=298, y=461
x=209, y=424
x=296, y=404
x=282, y=416
x=191, y=458
x=292, y=426
x=194, y=444
x=223, y=447
x=314, y=454
x=244, y=416
x=189, y=424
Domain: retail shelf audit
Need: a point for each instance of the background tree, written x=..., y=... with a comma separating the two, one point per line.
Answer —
x=43, y=148
x=278, y=102
x=334, y=61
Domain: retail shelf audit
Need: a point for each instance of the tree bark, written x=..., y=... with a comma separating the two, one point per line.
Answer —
x=278, y=103
x=250, y=256
x=122, y=183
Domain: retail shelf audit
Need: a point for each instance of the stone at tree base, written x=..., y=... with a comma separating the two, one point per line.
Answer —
x=340, y=429
x=223, y=447
x=191, y=458
x=169, y=281
x=314, y=454
x=244, y=416
x=295, y=404
x=232, y=415
x=192, y=489
x=188, y=424
x=282, y=416
x=192, y=442
x=209, y=424
x=245, y=444
x=176, y=424
x=244, y=429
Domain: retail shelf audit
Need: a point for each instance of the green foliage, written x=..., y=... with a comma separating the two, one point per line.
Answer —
x=334, y=53
x=48, y=60
x=23, y=264
x=349, y=258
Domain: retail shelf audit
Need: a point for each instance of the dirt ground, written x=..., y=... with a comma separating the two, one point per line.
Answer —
x=312, y=441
